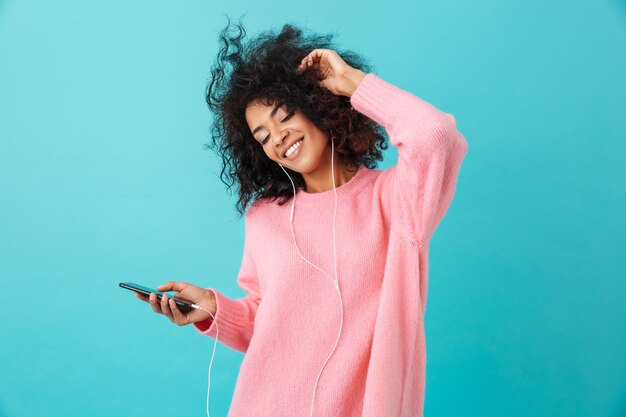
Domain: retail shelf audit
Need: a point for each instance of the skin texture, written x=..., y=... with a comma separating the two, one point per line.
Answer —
x=314, y=163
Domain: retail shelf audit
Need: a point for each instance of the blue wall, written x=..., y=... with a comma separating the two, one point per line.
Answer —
x=103, y=178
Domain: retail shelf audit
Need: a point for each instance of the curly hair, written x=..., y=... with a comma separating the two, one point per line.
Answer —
x=263, y=71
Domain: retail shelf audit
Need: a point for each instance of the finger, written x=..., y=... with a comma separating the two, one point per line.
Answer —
x=179, y=317
x=165, y=308
x=172, y=286
x=154, y=304
x=317, y=54
x=303, y=65
x=311, y=59
x=308, y=60
x=141, y=296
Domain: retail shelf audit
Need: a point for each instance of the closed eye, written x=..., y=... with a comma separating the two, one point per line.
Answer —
x=289, y=116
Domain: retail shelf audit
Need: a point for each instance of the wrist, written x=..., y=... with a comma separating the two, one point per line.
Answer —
x=208, y=302
x=353, y=77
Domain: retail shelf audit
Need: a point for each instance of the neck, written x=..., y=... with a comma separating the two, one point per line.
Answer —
x=320, y=179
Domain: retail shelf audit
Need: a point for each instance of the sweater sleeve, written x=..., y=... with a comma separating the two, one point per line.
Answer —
x=430, y=152
x=235, y=318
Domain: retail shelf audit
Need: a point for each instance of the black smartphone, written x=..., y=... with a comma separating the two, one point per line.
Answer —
x=183, y=305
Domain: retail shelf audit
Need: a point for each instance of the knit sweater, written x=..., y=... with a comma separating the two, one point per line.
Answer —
x=288, y=322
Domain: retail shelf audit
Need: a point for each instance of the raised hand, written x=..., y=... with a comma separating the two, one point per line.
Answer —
x=336, y=75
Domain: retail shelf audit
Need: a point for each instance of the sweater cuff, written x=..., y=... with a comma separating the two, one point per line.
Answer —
x=227, y=313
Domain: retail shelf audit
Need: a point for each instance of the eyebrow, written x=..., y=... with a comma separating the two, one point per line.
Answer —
x=272, y=114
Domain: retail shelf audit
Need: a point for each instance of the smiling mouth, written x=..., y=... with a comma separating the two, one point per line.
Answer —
x=295, y=150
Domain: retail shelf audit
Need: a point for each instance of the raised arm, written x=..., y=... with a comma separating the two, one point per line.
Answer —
x=430, y=148
x=430, y=152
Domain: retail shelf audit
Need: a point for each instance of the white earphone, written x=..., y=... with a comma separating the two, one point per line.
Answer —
x=217, y=335
x=334, y=281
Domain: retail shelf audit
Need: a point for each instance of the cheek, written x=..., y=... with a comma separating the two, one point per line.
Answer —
x=319, y=141
x=270, y=153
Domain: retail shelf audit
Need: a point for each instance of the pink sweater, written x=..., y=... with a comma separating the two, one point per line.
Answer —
x=288, y=322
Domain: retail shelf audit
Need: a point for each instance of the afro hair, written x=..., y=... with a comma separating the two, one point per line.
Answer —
x=263, y=70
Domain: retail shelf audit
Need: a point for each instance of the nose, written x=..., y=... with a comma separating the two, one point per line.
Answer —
x=281, y=138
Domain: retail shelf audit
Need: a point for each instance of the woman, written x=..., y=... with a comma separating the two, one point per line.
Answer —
x=332, y=323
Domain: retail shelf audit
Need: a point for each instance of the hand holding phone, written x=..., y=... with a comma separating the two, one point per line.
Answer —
x=178, y=308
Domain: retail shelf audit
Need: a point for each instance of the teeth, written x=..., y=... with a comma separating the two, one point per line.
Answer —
x=293, y=148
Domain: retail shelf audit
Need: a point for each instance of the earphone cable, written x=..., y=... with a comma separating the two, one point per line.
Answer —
x=335, y=281
x=217, y=334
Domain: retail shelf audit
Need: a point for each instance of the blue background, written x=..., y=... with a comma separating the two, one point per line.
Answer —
x=103, y=178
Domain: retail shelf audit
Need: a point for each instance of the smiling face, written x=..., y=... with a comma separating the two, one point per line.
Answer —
x=276, y=128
